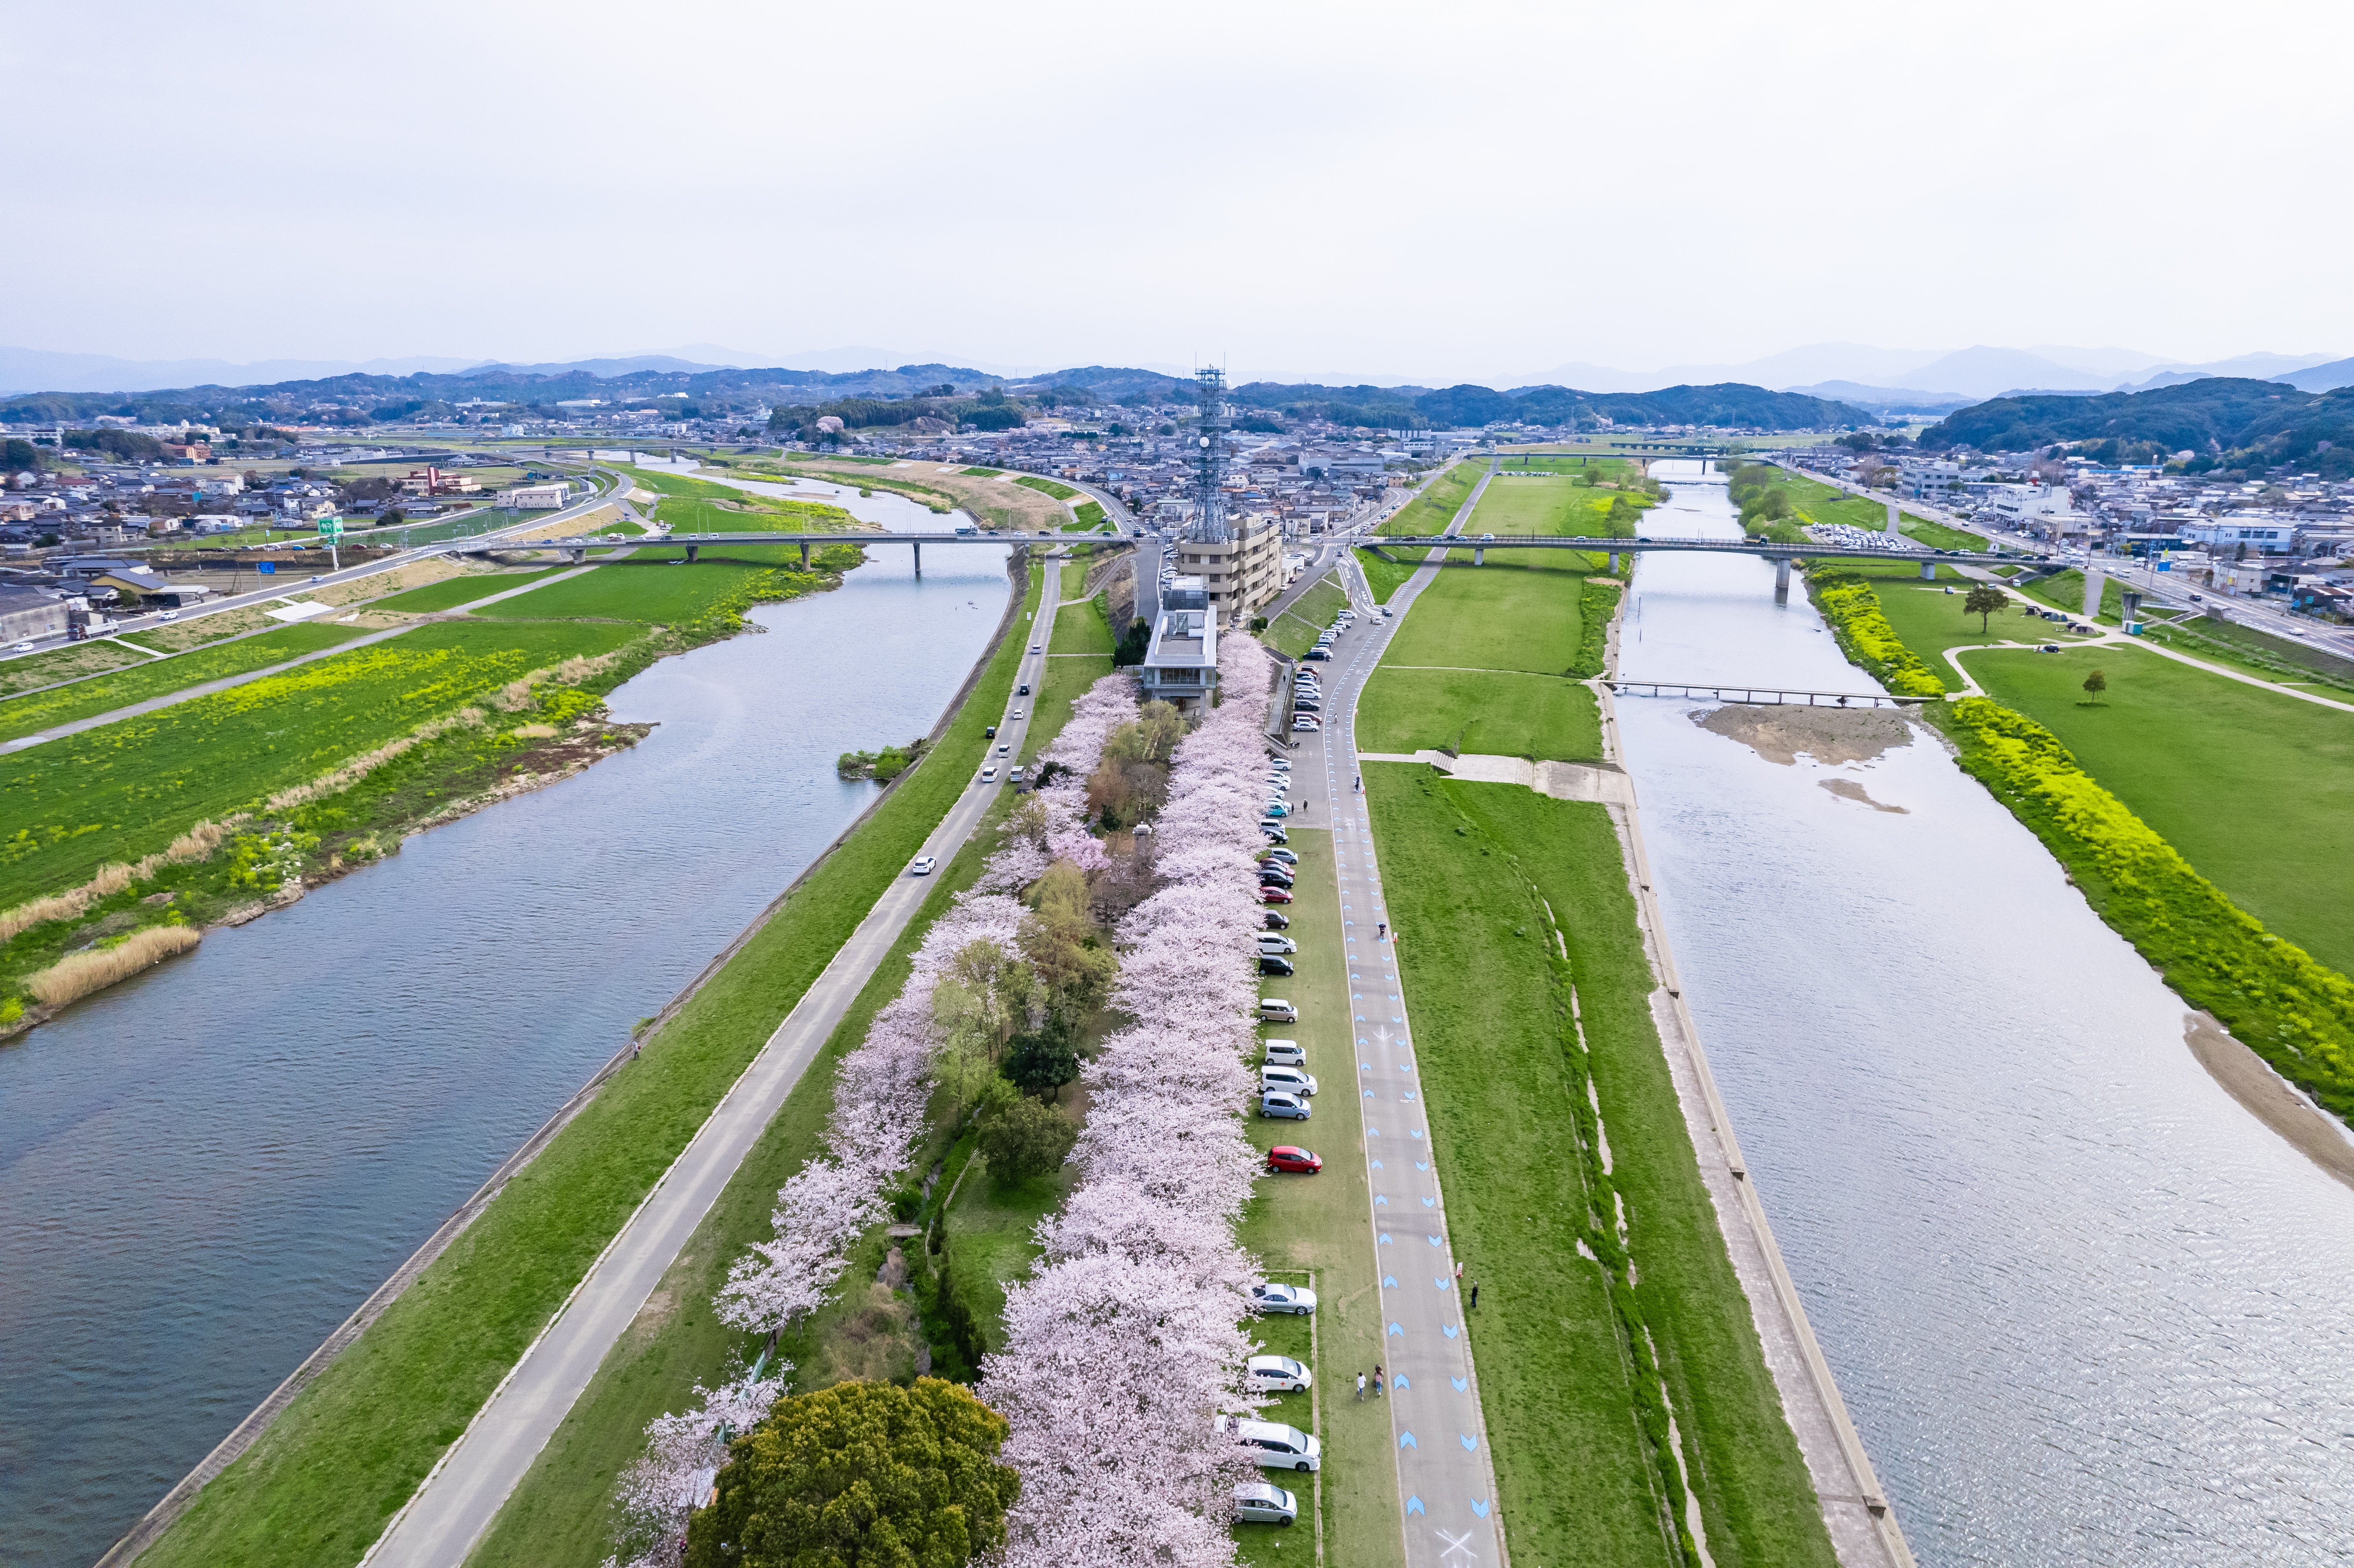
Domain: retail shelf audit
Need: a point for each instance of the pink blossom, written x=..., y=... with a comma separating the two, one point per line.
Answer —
x=684, y=1453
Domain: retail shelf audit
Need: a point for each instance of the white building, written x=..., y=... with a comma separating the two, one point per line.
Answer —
x=549, y=497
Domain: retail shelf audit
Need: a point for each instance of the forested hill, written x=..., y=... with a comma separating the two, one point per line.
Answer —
x=1449, y=407
x=2228, y=421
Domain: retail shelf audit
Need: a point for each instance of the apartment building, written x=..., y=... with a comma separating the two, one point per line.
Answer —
x=1241, y=573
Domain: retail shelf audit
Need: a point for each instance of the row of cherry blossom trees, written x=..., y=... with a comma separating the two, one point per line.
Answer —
x=1124, y=1346
x=967, y=970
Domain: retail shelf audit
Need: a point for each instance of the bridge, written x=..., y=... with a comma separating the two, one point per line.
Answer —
x=575, y=548
x=1734, y=692
x=1779, y=554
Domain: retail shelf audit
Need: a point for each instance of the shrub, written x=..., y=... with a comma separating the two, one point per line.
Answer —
x=1848, y=604
x=1596, y=603
x=1025, y=1137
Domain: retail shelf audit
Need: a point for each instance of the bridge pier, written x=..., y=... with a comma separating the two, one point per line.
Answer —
x=918, y=547
x=576, y=555
x=692, y=550
x=805, y=554
x=1478, y=558
x=1782, y=580
x=1614, y=562
x=1928, y=571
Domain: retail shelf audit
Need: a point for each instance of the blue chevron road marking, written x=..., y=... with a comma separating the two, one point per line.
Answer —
x=1399, y=1381
x=1479, y=1506
x=1422, y=1165
x=1447, y=1328
x=1383, y=1199
x=1406, y=1440
x=1389, y=1282
x=1386, y=1238
x=1397, y=1330
x=1414, y=1505
x=1469, y=1442
x=1430, y=1203
x=1441, y=1282
x=1461, y=1385
x=1435, y=1240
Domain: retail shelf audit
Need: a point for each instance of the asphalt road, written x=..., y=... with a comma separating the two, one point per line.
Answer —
x=1446, y=1482
x=465, y=1491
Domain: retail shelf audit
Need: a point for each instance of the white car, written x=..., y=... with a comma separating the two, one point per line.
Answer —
x=1304, y=723
x=1296, y=1081
x=923, y=866
x=989, y=774
x=1033, y=648
x=22, y=648
x=1275, y=1374
x=1286, y=1052
x=1017, y=714
x=171, y=615
x=1284, y=1106
x=1277, y=1446
x=1257, y=1502
x=1270, y=942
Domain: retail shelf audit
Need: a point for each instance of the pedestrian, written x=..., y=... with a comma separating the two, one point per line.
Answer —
x=1361, y=1388
x=1458, y=1271
x=1475, y=1296
x=1377, y=1380
x=1384, y=928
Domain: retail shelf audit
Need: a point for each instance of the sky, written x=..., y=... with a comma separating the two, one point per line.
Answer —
x=1478, y=191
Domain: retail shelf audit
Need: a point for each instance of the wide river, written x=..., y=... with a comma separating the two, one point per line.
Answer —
x=2085, y=1308
x=206, y=1170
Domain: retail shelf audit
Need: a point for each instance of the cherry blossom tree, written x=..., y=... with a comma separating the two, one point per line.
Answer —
x=684, y=1452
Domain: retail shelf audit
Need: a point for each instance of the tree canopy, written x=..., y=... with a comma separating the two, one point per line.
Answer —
x=861, y=1475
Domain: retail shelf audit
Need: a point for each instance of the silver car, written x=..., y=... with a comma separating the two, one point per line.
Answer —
x=1259, y=1502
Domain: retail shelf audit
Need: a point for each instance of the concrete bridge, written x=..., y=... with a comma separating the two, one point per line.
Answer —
x=1779, y=554
x=576, y=547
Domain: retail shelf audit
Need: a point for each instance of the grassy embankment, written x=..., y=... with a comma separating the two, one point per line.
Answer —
x=1316, y=1230
x=2170, y=742
x=1295, y=631
x=1496, y=660
x=1810, y=502
x=75, y=662
x=1929, y=621
x=161, y=677
x=1564, y=1349
x=1054, y=488
x=1428, y=512
x=319, y=1487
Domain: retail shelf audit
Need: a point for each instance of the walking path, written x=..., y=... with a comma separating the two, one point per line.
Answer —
x=439, y=1524
x=1446, y=1482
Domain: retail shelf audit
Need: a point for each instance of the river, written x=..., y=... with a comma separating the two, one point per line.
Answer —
x=2084, y=1308
x=205, y=1169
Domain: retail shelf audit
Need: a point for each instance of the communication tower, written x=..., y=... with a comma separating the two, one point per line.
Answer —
x=1209, y=523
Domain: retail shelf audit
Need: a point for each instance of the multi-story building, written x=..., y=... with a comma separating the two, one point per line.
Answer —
x=1240, y=573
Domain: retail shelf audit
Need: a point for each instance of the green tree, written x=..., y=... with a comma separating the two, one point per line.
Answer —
x=1061, y=942
x=1044, y=1059
x=861, y=1475
x=1983, y=600
x=2094, y=684
x=1025, y=1137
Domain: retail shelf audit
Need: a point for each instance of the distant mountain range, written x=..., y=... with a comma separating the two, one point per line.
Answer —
x=1928, y=380
x=2222, y=420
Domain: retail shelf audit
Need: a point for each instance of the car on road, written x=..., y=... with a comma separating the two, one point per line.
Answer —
x=1257, y=1502
x=989, y=774
x=1004, y=747
x=1267, y=1296
x=22, y=648
x=1284, y=1106
x=1305, y=724
x=1290, y=1080
x=1276, y=921
x=170, y=615
x=1285, y=1052
x=1021, y=691
x=1036, y=648
x=1017, y=713
x=1487, y=538
x=1270, y=942
x=923, y=866
x=1275, y=896
x=1275, y=1374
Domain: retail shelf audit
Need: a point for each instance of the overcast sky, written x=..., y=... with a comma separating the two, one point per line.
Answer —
x=1470, y=191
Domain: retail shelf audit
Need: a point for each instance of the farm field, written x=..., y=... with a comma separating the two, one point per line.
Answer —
x=1498, y=713
x=161, y=677
x=451, y=592
x=2172, y=742
x=351, y=1449
x=1469, y=869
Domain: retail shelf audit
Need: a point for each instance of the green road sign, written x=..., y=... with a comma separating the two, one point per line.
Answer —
x=331, y=527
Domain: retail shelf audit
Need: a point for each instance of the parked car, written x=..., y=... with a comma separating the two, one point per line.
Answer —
x=993, y=732
x=1287, y=1158
x=1284, y=1106
x=1288, y=1052
x=1275, y=1010
x=1276, y=809
x=1016, y=774
x=1269, y=1297
x=1270, y=964
x=1257, y=1502
x=1275, y=920
x=1275, y=876
x=1268, y=942
x=1285, y=855
x=1275, y=835
x=1318, y=653
x=1305, y=724
x=923, y=866
x=1275, y=896
x=1279, y=1447
x=1281, y=765
x=1288, y=1080
x=1308, y=705
x=1275, y=1374
x=1272, y=823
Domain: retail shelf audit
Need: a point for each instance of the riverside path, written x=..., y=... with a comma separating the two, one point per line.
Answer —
x=1446, y=1484
x=456, y=1501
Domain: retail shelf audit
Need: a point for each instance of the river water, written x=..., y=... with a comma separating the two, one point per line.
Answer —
x=2084, y=1309
x=204, y=1170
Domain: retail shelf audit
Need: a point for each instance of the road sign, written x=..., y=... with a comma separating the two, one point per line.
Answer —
x=268, y=568
x=331, y=527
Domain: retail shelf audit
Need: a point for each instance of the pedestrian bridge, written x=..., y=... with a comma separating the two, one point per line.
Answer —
x=1779, y=554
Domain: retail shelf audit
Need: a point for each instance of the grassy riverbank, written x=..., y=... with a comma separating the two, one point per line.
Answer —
x=162, y=677
x=320, y=1485
x=1295, y=631
x=1469, y=869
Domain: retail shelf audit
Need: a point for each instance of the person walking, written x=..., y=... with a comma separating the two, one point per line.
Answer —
x=1361, y=1388
x=1382, y=929
x=1377, y=1380
x=1475, y=1296
x=1458, y=1271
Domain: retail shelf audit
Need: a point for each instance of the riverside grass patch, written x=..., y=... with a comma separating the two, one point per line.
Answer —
x=1852, y=609
x=2290, y=1009
x=349, y=1451
x=144, y=683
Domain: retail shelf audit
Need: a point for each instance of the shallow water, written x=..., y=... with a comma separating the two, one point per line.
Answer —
x=204, y=1170
x=2084, y=1309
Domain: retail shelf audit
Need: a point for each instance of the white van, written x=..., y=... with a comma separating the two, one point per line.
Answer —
x=1275, y=1374
x=1292, y=1080
x=1275, y=1010
x=1285, y=1052
x=989, y=774
x=1277, y=1446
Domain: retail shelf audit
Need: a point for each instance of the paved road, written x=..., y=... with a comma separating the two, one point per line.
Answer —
x=1446, y=1482
x=467, y=1488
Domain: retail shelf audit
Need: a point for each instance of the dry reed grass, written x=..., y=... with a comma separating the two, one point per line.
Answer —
x=197, y=844
x=359, y=767
x=515, y=695
x=79, y=974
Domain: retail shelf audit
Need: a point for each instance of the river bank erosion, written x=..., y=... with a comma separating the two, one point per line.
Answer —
x=2083, y=1306
x=203, y=1170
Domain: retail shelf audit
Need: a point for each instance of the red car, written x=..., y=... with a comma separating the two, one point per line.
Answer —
x=1275, y=896
x=1283, y=1157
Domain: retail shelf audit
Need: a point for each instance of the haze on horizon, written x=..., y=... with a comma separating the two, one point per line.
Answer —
x=1310, y=192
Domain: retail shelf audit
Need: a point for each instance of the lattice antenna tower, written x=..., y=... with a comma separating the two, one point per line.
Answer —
x=1209, y=524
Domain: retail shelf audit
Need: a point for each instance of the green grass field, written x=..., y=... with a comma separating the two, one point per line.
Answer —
x=1383, y=577
x=451, y=592
x=1059, y=491
x=1503, y=714
x=127, y=790
x=2258, y=653
x=649, y=591
x=1931, y=620
x=1464, y=865
x=1295, y=631
x=161, y=677
x=71, y=662
x=1080, y=627
x=1317, y=1230
x=1441, y=499
x=1507, y=615
x=2200, y=758
x=320, y=1485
